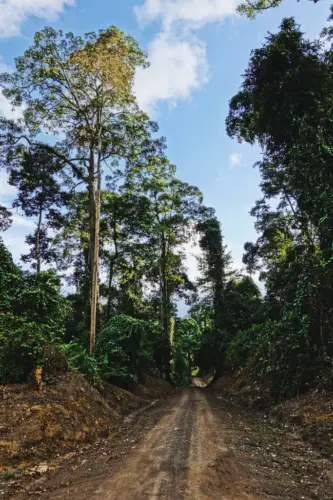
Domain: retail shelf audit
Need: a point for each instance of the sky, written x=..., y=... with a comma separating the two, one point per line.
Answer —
x=198, y=50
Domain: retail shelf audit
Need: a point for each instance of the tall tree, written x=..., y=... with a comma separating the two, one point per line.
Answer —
x=81, y=87
x=10, y=276
x=5, y=218
x=174, y=207
x=213, y=265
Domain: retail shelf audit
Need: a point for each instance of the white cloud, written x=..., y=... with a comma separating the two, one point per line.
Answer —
x=21, y=221
x=15, y=12
x=14, y=241
x=5, y=189
x=14, y=237
x=195, y=12
x=192, y=251
x=7, y=110
x=3, y=65
x=178, y=67
x=178, y=59
x=234, y=160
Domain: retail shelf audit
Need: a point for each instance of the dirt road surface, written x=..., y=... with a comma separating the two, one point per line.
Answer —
x=192, y=446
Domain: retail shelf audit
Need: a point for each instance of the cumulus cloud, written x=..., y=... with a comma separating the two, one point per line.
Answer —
x=14, y=240
x=178, y=67
x=234, y=160
x=178, y=59
x=5, y=189
x=14, y=237
x=196, y=12
x=19, y=220
x=15, y=12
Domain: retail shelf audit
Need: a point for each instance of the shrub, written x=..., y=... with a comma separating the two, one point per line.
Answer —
x=79, y=360
x=278, y=351
x=39, y=299
x=243, y=347
x=22, y=345
x=123, y=350
x=181, y=373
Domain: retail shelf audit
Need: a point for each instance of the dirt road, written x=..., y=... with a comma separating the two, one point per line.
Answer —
x=194, y=447
x=176, y=458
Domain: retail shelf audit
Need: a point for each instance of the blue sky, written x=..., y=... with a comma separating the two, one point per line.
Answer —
x=198, y=50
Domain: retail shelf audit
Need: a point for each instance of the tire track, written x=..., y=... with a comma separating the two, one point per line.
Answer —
x=158, y=469
x=214, y=471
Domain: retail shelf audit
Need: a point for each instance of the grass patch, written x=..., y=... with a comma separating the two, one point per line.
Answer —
x=9, y=474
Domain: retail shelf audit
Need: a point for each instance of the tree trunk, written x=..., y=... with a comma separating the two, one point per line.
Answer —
x=108, y=309
x=84, y=287
x=112, y=261
x=189, y=364
x=92, y=231
x=95, y=261
x=38, y=230
x=95, y=265
x=165, y=313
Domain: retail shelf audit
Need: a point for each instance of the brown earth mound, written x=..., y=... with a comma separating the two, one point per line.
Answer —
x=242, y=388
x=153, y=388
x=311, y=414
x=121, y=401
x=35, y=424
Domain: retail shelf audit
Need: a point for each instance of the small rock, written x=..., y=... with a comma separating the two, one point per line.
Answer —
x=42, y=468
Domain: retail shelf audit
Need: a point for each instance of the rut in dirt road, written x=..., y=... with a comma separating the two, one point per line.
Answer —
x=197, y=447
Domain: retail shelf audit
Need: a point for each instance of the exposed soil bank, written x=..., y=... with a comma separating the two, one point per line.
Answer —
x=39, y=430
x=311, y=414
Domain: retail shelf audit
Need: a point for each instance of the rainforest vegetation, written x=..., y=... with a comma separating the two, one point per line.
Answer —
x=100, y=288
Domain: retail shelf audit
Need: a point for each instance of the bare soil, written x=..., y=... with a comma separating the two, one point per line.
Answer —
x=193, y=445
x=34, y=424
x=310, y=413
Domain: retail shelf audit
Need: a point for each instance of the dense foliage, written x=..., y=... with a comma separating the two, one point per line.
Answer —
x=123, y=350
x=32, y=317
x=289, y=112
